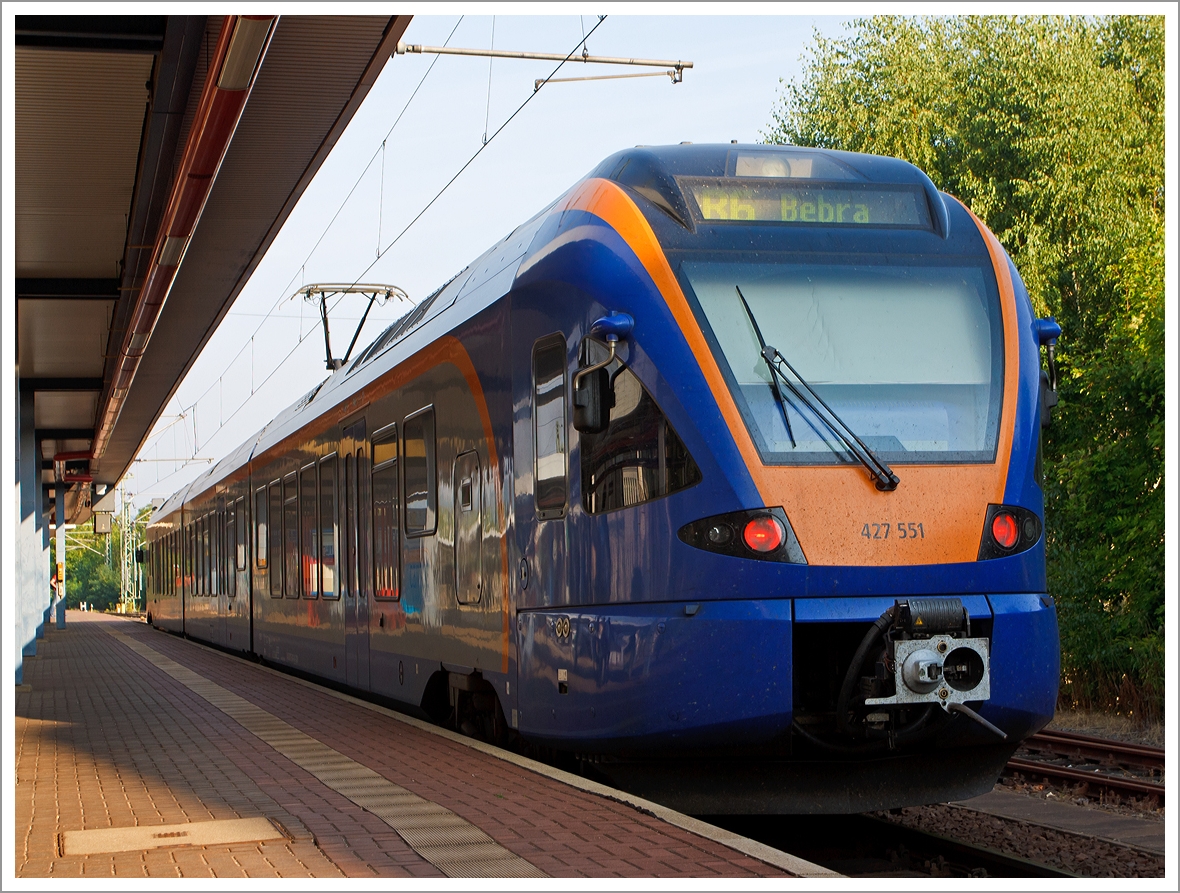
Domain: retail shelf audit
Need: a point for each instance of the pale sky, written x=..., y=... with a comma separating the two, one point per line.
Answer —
x=559, y=136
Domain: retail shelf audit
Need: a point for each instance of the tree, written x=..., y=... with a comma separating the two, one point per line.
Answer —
x=1051, y=130
x=92, y=564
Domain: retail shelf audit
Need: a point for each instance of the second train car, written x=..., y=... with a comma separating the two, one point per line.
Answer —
x=721, y=473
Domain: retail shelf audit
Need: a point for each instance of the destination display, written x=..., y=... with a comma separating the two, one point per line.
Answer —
x=816, y=203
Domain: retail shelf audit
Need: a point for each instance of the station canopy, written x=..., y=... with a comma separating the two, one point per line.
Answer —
x=105, y=107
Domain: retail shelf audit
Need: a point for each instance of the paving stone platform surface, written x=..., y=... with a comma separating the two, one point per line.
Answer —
x=122, y=726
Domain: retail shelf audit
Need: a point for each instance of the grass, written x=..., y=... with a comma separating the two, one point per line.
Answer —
x=1109, y=725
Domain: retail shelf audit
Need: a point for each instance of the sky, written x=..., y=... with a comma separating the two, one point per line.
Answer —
x=269, y=349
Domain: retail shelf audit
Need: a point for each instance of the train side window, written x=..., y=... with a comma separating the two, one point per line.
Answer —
x=275, y=508
x=216, y=547
x=385, y=514
x=421, y=473
x=260, y=547
x=638, y=458
x=231, y=551
x=199, y=559
x=202, y=587
x=213, y=552
x=309, y=531
x=291, y=575
x=205, y=555
x=328, y=526
x=364, y=530
x=240, y=552
x=209, y=542
x=549, y=426
x=216, y=550
x=193, y=564
x=347, y=526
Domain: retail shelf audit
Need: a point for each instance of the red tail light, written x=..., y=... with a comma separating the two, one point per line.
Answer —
x=1004, y=530
x=764, y=534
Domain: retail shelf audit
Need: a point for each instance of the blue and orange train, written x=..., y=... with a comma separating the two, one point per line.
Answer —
x=720, y=474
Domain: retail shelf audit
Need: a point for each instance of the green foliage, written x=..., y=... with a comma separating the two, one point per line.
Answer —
x=1051, y=130
x=91, y=576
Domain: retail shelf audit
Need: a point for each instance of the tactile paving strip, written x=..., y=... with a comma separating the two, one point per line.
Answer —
x=449, y=842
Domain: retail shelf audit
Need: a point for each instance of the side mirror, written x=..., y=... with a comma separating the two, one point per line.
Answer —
x=1048, y=331
x=593, y=397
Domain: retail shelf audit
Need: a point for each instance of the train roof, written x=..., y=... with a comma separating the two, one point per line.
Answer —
x=720, y=160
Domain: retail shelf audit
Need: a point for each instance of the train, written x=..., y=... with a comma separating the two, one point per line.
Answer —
x=720, y=476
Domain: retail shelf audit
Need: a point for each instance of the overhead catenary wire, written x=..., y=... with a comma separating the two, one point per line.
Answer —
x=488, y=110
x=475, y=155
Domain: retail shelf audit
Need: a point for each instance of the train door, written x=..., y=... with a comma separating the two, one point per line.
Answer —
x=356, y=580
x=237, y=569
x=540, y=436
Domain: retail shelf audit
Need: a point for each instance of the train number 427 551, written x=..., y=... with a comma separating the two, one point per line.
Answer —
x=902, y=530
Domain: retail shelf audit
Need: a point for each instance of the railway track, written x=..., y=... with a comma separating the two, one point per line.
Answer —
x=1109, y=754
x=1121, y=753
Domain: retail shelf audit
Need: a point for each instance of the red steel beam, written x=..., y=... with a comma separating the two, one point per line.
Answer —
x=241, y=47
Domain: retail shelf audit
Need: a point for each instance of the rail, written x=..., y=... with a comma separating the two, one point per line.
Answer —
x=1075, y=746
x=1072, y=744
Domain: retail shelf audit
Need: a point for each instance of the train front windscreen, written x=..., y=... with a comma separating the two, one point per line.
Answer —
x=908, y=353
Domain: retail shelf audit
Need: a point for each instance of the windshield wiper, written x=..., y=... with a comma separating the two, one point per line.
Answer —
x=778, y=394
x=881, y=473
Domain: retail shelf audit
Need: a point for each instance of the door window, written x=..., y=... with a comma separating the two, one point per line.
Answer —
x=291, y=568
x=328, y=535
x=276, y=539
x=549, y=426
x=231, y=550
x=240, y=549
x=420, y=472
x=468, y=539
x=260, y=515
x=309, y=532
x=385, y=514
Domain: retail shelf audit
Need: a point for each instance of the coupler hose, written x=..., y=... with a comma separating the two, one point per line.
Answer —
x=875, y=632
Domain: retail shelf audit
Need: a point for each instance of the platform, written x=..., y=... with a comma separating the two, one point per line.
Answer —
x=142, y=754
